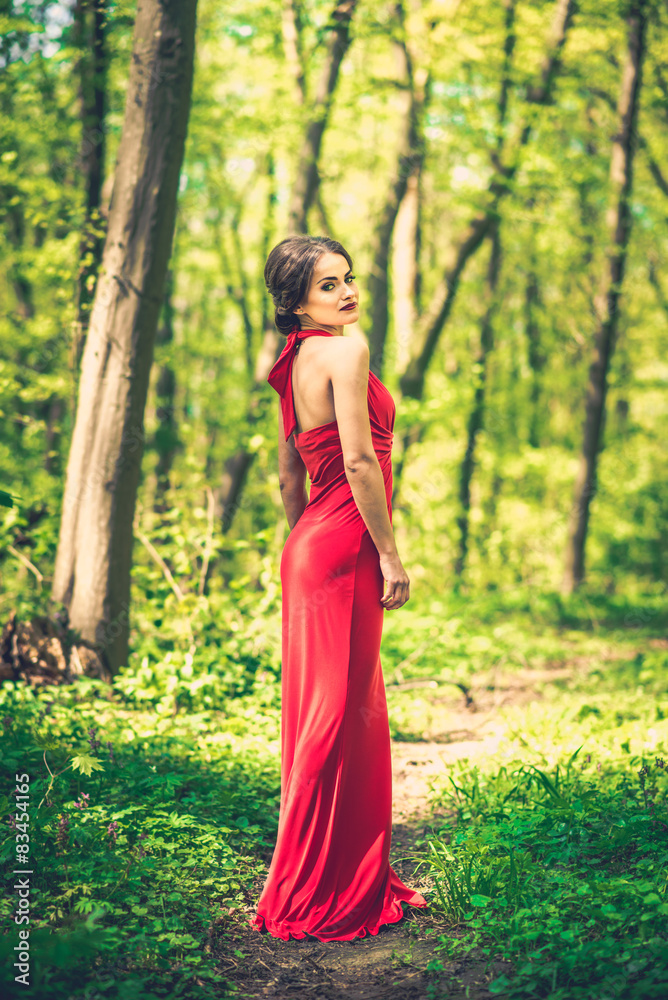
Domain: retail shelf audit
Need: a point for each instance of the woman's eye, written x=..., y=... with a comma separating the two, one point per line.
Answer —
x=328, y=287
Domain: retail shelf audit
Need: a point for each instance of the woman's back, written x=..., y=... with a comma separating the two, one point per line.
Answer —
x=311, y=382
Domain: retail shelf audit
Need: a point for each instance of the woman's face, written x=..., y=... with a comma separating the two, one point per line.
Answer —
x=332, y=295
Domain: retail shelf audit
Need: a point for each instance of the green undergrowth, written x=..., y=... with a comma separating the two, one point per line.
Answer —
x=554, y=854
x=141, y=829
x=154, y=800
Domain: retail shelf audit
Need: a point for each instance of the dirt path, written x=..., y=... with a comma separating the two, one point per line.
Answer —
x=392, y=964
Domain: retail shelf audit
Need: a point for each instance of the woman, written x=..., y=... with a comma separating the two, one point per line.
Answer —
x=330, y=875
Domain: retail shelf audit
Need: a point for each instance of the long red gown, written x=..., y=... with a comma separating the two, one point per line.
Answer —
x=330, y=875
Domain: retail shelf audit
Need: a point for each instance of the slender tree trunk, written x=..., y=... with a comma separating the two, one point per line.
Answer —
x=243, y=298
x=268, y=231
x=535, y=352
x=405, y=267
x=235, y=283
x=477, y=415
x=232, y=265
x=608, y=300
x=167, y=433
x=307, y=180
x=93, y=562
x=91, y=17
x=55, y=412
x=292, y=21
x=16, y=234
x=409, y=158
x=432, y=323
x=412, y=380
x=406, y=264
x=228, y=496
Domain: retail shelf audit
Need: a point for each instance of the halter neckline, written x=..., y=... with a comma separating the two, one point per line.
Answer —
x=280, y=376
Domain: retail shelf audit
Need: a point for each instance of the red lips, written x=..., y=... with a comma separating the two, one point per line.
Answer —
x=353, y=305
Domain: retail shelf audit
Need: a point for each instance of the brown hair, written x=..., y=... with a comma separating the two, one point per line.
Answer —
x=288, y=273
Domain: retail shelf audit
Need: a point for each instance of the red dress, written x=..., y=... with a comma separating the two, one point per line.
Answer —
x=330, y=875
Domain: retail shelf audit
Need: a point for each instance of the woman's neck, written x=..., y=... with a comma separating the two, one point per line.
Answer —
x=309, y=324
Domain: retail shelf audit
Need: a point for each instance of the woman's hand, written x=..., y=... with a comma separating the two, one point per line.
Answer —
x=397, y=589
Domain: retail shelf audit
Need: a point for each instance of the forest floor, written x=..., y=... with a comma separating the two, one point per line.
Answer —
x=391, y=965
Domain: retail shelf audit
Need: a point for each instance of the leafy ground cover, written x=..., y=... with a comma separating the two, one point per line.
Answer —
x=554, y=854
x=542, y=849
x=141, y=827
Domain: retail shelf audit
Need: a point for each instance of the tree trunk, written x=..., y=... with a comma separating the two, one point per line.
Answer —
x=243, y=296
x=167, y=433
x=306, y=182
x=291, y=25
x=268, y=231
x=607, y=302
x=409, y=158
x=91, y=18
x=477, y=415
x=93, y=563
x=406, y=268
x=55, y=413
x=15, y=229
x=412, y=381
x=232, y=266
x=535, y=352
x=228, y=496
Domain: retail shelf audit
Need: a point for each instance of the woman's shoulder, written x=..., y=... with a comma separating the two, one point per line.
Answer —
x=351, y=348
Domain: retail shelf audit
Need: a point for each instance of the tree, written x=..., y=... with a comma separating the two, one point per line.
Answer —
x=91, y=20
x=476, y=418
x=91, y=35
x=607, y=301
x=412, y=379
x=410, y=155
x=307, y=180
x=93, y=562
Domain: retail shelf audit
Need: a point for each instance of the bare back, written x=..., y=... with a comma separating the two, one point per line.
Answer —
x=330, y=378
x=312, y=382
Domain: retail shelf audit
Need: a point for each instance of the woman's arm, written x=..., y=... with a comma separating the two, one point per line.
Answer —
x=291, y=476
x=350, y=377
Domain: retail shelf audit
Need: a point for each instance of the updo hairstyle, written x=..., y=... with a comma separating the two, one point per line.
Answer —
x=289, y=270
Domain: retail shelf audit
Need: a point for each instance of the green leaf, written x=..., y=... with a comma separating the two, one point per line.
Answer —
x=6, y=499
x=86, y=764
x=499, y=985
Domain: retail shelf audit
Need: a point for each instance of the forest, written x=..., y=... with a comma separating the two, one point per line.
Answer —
x=498, y=173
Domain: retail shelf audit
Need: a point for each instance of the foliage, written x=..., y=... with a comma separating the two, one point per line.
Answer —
x=148, y=816
x=142, y=830
x=561, y=868
x=554, y=855
x=245, y=136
